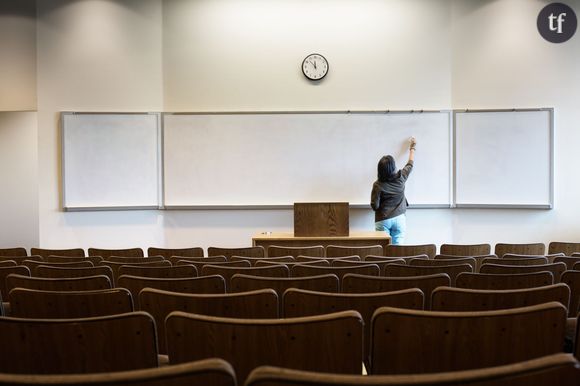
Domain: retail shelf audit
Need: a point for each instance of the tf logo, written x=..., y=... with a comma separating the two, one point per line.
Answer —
x=557, y=22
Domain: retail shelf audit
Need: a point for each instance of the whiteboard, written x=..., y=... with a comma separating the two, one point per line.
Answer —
x=504, y=158
x=276, y=159
x=111, y=161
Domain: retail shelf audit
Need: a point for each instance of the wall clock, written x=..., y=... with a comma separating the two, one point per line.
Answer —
x=315, y=67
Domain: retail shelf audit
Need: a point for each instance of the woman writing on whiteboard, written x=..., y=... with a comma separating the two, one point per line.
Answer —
x=388, y=196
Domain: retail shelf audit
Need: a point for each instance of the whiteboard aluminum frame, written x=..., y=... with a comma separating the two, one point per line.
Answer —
x=449, y=112
x=160, y=189
x=550, y=205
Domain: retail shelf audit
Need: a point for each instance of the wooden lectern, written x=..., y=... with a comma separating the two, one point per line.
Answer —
x=316, y=219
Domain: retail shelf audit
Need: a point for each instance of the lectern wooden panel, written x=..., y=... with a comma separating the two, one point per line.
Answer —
x=316, y=219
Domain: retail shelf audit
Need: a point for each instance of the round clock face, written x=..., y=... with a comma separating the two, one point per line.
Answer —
x=315, y=66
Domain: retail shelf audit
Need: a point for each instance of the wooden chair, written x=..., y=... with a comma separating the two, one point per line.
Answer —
x=399, y=270
x=572, y=280
x=308, y=259
x=195, y=285
x=76, y=346
x=540, y=260
x=556, y=369
x=322, y=283
x=410, y=250
x=297, y=302
x=228, y=272
x=312, y=270
x=367, y=284
x=465, y=249
x=478, y=258
x=72, y=252
x=522, y=256
x=13, y=252
x=451, y=341
x=180, y=271
x=33, y=264
x=106, y=253
x=8, y=263
x=229, y=252
x=326, y=343
x=443, y=262
x=208, y=260
x=389, y=260
x=557, y=269
x=381, y=264
x=5, y=271
x=313, y=251
x=461, y=299
x=215, y=372
x=199, y=265
x=503, y=281
x=27, y=303
x=115, y=266
x=268, y=263
x=260, y=304
x=361, y=251
x=88, y=283
x=96, y=260
x=570, y=261
x=20, y=259
x=167, y=253
x=51, y=272
x=134, y=260
x=520, y=249
x=562, y=247
x=254, y=260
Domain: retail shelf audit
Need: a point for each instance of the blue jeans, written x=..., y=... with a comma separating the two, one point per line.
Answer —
x=395, y=227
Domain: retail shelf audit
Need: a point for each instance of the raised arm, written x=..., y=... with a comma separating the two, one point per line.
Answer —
x=412, y=145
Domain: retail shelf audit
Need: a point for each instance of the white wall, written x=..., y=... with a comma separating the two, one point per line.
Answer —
x=17, y=55
x=19, y=176
x=208, y=55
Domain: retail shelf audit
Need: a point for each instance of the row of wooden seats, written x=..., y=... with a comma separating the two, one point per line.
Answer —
x=328, y=343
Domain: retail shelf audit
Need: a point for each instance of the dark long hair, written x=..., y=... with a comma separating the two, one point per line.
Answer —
x=386, y=169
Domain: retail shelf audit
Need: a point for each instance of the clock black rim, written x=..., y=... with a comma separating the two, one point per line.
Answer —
x=323, y=76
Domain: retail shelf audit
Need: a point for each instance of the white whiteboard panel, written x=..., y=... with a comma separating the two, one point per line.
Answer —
x=214, y=160
x=110, y=161
x=504, y=158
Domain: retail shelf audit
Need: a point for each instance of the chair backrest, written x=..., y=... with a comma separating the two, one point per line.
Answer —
x=33, y=264
x=20, y=259
x=215, y=372
x=106, y=253
x=572, y=280
x=27, y=303
x=87, y=283
x=308, y=259
x=115, y=266
x=228, y=272
x=314, y=251
x=207, y=260
x=478, y=259
x=461, y=299
x=5, y=271
x=312, y=270
x=380, y=264
x=48, y=271
x=389, y=259
x=563, y=247
x=410, y=250
x=195, y=285
x=413, y=342
x=260, y=304
x=267, y=263
x=199, y=265
x=399, y=270
x=556, y=369
x=504, y=281
x=133, y=260
x=557, y=269
x=520, y=249
x=72, y=259
x=465, y=249
x=180, y=271
x=84, y=345
x=362, y=251
x=322, y=283
x=515, y=261
x=13, y=252
x=181, y=252
x=326, y=343
x=367, y=284
x=229, y=252
x=570, y=261
x=443, y=262
x=71, y=252
x=254, y=260
x=299, y=302
x=8, y=263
